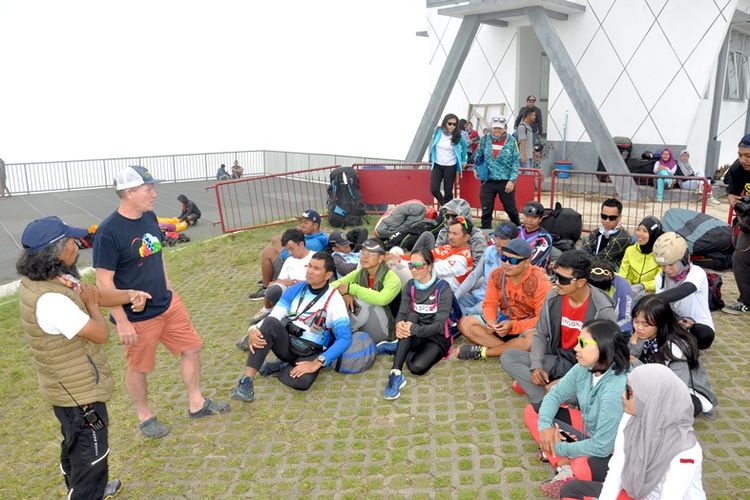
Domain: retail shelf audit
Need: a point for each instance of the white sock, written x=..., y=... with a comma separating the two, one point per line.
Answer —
x=395, y=372
x=265, y=310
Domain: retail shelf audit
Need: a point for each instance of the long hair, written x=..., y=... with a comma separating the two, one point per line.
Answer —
x=613, y=348
x=456, y=135
x=658, y=312
x=44, y=264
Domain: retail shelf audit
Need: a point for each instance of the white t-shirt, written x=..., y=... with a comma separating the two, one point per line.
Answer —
x=56, y=314
x=295, y=269
x=694, y=305
x=444, y=152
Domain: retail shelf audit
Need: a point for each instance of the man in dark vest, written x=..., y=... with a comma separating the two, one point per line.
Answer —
x=66, y=331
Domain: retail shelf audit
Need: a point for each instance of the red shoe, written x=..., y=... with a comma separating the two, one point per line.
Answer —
x=517, y=388
x=551, y=488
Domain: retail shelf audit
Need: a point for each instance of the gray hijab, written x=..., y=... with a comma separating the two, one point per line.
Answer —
x=662, y=428
x=686, y=168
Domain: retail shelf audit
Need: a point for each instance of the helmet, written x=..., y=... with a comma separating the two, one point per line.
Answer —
x=669, y=248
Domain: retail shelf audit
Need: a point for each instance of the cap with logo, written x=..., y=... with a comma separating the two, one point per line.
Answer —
x=669, y=248
x=43, y=232
x=374, y=245
x=339, y=238
x=533, y=208
x=134, y=176
x=506, y=230
x=518, y=247
x=311, y=215
x=498, y=122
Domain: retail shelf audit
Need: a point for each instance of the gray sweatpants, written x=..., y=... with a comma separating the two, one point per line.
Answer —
x=518, y=365
x=373, y=320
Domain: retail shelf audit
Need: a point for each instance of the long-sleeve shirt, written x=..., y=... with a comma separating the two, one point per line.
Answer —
x=637, y=267
x=525, y=298
x=430, y=312
x=391, y=287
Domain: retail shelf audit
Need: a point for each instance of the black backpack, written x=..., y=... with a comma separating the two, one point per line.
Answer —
x=345, y=207
x=564, y=224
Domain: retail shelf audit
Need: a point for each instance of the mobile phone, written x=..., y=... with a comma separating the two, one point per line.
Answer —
x=567, y=437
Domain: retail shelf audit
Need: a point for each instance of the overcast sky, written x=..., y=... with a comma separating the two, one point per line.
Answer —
x=96, y=79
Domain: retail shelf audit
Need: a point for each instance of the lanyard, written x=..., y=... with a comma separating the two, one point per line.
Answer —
x=309, y=304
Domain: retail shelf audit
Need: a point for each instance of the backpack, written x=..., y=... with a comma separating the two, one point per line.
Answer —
x=359, y=357
x=357, y=236
x=450, y=329
x=564, y=224
x=345, y=207
x=715, y=302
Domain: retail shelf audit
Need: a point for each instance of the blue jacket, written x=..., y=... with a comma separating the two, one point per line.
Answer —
x=315, y=242
x=504, y=167
x=460, y=148
x=601, y=406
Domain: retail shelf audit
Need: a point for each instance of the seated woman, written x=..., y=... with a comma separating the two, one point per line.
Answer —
x=665, y=166
x=660, y=338
x=597, y=382
x=684, y=286
x=603, y=277
x=638, y=265
x=657, y=455
x=421, y=328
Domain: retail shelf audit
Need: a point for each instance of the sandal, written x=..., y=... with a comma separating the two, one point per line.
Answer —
x=152, y=428
x=210, y=408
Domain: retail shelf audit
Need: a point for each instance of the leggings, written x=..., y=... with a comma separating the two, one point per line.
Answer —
x=420, y=354
x=660, y=184
x=447, y=175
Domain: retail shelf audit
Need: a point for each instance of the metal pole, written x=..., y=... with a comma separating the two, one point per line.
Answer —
x=713, y=147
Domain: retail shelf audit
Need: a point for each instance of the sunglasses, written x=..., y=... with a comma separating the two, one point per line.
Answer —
x=462, y=220
x=609, y=217
x=582, y=342
x=512, y=260
x=598, y=271
x=417, y=265
x=451, y=124
x=564, y=280
x=628, y=392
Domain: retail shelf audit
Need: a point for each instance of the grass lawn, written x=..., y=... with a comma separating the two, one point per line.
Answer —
x=456, y=433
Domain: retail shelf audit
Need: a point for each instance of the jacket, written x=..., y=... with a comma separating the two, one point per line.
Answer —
x=402, y=217
x=477, y=242
x=385, y=289
x=460, y=148
x=504, y=167
x=547, y=334
x=613, y=247
x=637, y=267
x=600, y=404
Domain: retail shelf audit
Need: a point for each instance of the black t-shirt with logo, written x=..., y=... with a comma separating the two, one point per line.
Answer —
x=737, y=180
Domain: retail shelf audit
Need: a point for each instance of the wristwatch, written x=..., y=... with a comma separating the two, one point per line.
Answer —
x=322, y=359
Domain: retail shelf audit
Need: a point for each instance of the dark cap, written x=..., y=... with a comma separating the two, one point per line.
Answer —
x=374, y=245
x=47, y=230
x=744, y=142
x=518, y=247
x=533, y=208
x=312, y=215
x=339, y=238
x=506, y=230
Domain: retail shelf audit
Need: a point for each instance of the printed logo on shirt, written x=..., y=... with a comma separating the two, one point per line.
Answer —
x=575, y=325
x=426, y=308
x=148, y=245
x=746, y=190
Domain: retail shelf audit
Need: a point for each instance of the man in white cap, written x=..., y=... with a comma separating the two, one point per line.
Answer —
x=128, y=254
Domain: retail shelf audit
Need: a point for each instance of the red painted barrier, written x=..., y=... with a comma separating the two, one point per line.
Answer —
x=395, y=183
x=528, y=188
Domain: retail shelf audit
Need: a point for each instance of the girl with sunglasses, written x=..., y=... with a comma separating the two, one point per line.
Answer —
x=657, y=455
x=603, y=277
x=579, y=444
x=638, y=265
x=448, y=152
x=659, y=337
x=421, y=323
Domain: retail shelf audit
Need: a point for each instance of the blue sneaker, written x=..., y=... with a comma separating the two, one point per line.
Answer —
x=272, y=367
x=386, y=347
x=245, y=390
x=395, y=383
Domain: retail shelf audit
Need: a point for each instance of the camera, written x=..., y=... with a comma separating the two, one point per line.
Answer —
x=292, y=329
x=742, y=207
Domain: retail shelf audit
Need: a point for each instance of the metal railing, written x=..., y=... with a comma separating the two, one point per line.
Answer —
x=28, y=178
x=584, y=192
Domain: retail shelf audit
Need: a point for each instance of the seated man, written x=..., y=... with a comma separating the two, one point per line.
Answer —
x=307, y=330
x=611, y=239
x=532, y=231
x=572, y=303
x=451, y=210
x=272, y=257
x=222, y=174
x=454, y=262
x=371, y=293
x=341, y=249
x=471, y=291
x=190, y=211
x=516, y=292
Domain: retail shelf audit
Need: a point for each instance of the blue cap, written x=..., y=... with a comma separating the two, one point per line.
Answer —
x=311, y=215
x=45, y=231
x=744, y=142
x=518, y=247
x=506, y=230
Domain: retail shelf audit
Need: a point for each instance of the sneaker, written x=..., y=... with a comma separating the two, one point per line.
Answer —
x=259, y=316
x=272, y=367
x=713, y=201
x=210, y=408
x=541, y=456
x=152, y=428
x=736, y=308
x=470, y=351
x=245, y=390
x=112, y=489
x=244, y=343
x=386, y=347
x=393, y=388
x=711, y=414
x=551, y=488
x=259, y=295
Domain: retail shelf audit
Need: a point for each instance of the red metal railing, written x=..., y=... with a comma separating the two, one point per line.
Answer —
x=584, y=192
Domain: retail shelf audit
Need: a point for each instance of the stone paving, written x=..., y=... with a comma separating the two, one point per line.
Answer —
x=457, y=432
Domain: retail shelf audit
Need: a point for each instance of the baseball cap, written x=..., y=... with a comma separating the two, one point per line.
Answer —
x=669, y=248
x=533, y=208
x=374, y=245
x=744, y=142
x=506, y=230
x=518, y=247
x=312, y=215
x=47, y=230
x=498, y=121
x=134, y=176
x=339, y=238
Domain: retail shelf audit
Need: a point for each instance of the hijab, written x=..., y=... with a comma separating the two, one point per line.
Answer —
x=669, y=163
x=686, y=168
x=661, y=429
x=653, y=226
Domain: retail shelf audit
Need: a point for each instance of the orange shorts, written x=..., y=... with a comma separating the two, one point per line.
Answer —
x=172, y=328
